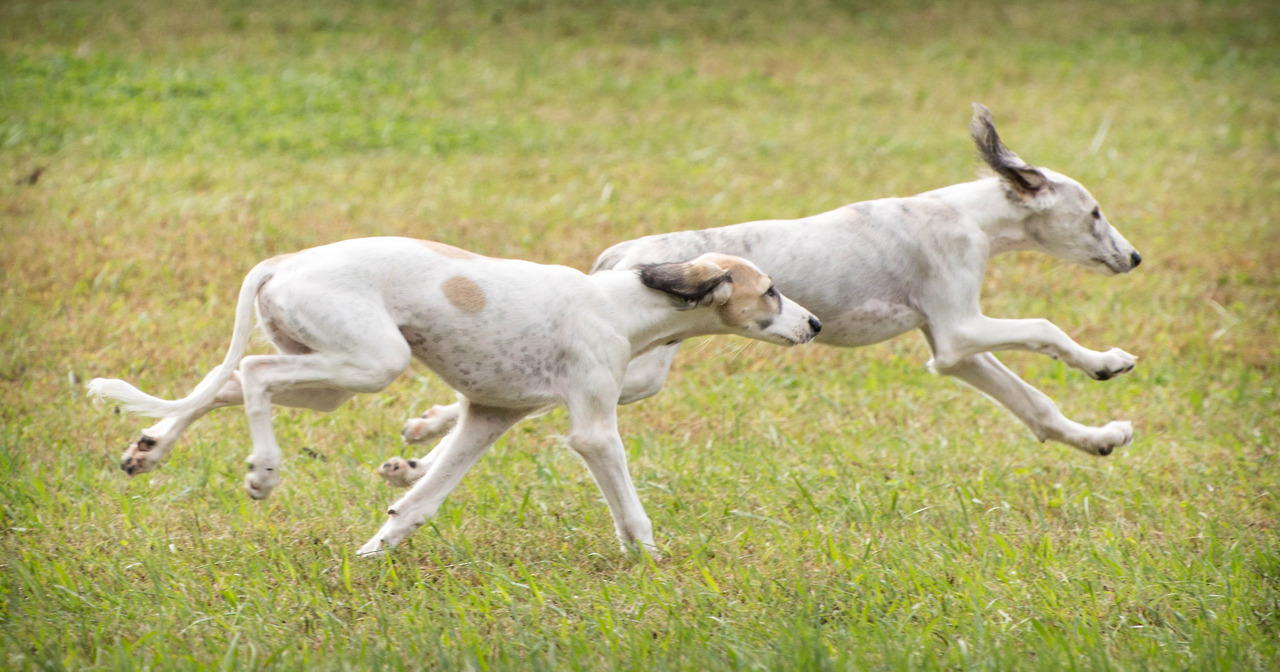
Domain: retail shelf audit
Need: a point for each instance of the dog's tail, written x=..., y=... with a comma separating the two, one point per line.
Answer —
x=133, y=400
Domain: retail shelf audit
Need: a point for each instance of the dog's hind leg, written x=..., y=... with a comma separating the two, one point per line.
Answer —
x=433, y=424
x=153, y=446
x=399, y=472
x=362, y=352
x=478, y=427
x=1035, y=408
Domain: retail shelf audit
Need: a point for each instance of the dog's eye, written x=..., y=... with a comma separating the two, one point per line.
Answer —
x=1097, y=213
x=771, y=292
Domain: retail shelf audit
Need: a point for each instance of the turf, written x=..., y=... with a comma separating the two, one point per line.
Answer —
x=820, y=508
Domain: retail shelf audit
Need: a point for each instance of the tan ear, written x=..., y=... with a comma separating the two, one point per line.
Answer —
x=1019, y=174
x=699, y=282
x=721, y=294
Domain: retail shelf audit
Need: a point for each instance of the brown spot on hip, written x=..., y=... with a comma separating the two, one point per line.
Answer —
x=448, y=250
x=464, y=294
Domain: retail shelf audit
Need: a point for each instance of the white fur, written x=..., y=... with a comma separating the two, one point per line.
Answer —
x=512, y=337
x=873, y=270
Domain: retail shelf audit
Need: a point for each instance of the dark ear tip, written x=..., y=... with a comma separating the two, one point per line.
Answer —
x=982, y=122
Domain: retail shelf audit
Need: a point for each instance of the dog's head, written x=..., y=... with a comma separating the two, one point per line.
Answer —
x=1066, y=220
x=743, y=298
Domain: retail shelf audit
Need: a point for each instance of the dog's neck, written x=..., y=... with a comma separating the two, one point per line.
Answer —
x=647, y=317
x=997, y=212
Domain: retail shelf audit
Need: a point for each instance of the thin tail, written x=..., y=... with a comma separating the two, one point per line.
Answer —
x=133, y=400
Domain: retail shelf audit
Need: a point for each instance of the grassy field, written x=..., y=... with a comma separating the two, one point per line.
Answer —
x=820, y=508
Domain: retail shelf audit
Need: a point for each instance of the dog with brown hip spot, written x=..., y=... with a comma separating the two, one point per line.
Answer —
x=513, y=338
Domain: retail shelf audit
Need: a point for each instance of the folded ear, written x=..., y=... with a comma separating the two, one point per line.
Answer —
x=1019, y=174
x=700, y=282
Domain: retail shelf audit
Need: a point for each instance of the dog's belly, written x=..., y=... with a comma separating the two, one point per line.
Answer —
x=505, y=373
x=868, y=323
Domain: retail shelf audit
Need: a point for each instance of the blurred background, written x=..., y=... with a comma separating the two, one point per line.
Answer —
x=153, y=151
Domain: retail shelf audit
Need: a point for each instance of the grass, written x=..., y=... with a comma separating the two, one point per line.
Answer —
x=821, y=508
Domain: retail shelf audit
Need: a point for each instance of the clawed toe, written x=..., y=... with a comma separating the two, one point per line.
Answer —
x=1117, y=362
x=433, y=424
x=1120, y=434
x=135, y=459
x=398, y=472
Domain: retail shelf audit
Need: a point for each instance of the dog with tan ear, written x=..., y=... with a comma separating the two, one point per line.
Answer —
x=513, y=338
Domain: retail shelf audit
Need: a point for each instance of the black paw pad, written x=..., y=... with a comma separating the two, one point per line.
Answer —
x=1105, y=451
x=1103, y=374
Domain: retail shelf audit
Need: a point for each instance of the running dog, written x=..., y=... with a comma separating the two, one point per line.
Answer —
x=873, y=270
x=514, y=339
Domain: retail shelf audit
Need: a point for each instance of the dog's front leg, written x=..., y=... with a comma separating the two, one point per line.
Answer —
x=594, y=436
x=1036, y=409
x=647, y=373
x=478, y=427
x=954, y=342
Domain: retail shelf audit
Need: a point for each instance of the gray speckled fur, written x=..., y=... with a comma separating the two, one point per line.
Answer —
x=873, y=270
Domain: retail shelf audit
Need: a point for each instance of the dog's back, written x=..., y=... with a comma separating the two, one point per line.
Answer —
x=486, y=326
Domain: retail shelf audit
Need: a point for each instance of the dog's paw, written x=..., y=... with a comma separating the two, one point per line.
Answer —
x=639, y=550
x=401, y=473
x=433, y=424
x=391, y=533
x=261, y=480
x=1113, y=363
x=138, y=458
x=374, y=548
x=1104, y=440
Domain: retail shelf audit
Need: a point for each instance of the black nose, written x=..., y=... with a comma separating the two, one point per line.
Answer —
x=815, y=325
x=1135, y=259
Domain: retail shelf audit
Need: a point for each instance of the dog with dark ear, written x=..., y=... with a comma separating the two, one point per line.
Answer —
x=1024, y=178
x=699, y=282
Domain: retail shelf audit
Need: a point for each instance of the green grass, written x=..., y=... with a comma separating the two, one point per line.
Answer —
x=820, y=508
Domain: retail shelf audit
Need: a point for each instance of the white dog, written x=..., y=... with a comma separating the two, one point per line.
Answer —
x=873, y=270
x=512, y=337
